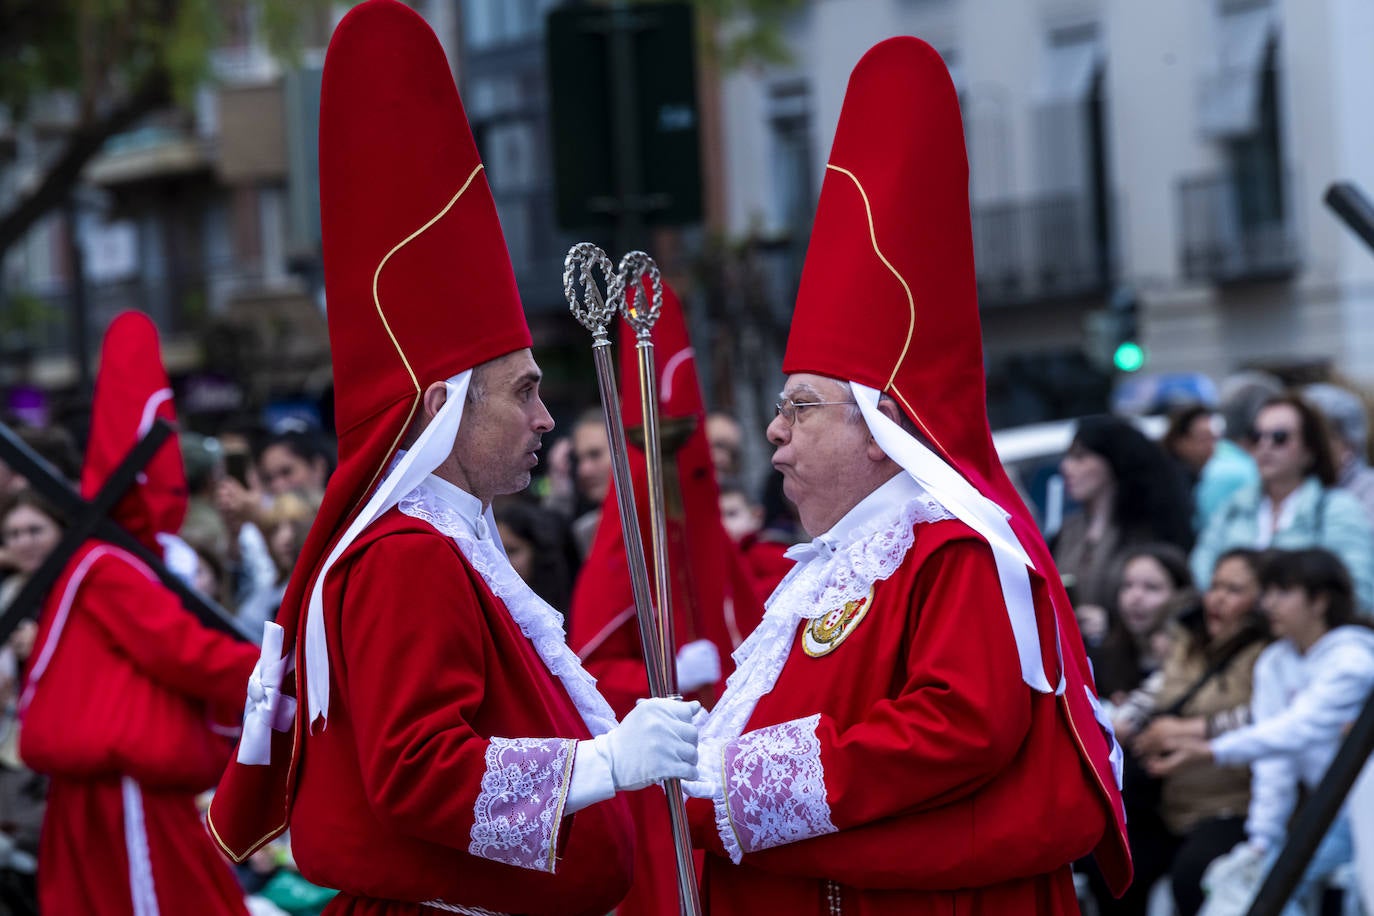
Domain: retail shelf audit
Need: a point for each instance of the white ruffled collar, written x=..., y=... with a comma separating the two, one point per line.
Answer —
x=866, y=546
x=450, y=511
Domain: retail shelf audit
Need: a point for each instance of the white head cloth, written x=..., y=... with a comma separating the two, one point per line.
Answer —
x=948, y=487
x=430, y=450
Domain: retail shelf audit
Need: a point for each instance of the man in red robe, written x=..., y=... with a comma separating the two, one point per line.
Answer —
x=715, y=600
x=124, y=686
x=911, y=728
x=448, y=752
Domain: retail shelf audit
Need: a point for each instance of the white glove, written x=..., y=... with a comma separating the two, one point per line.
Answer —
x=657, y=741
x=698, y=664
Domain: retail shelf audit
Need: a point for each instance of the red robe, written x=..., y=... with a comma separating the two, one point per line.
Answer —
x=124, y=685
x=937, y=763
x=429, y=675
x=766, y=563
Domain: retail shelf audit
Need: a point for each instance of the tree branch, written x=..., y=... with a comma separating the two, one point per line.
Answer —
x=82, y=146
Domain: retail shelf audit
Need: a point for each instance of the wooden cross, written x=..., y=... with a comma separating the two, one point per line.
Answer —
x=92, y=520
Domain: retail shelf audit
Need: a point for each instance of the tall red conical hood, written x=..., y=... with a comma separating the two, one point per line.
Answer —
x=131, y=391
x=417, y=276
x=419, y=288
x=713, y=597
x=888, y=295
x=888, y=299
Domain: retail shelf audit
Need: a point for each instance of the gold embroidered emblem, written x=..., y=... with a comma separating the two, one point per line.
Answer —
x=824, y=634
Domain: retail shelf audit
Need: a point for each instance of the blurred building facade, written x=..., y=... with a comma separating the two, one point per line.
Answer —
x=205, y=217
x=1169, y=155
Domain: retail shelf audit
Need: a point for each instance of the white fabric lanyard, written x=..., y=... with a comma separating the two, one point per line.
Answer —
x=429, y=451
x=981, y=514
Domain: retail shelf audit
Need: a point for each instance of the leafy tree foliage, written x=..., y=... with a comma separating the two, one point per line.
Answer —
x=114, y=61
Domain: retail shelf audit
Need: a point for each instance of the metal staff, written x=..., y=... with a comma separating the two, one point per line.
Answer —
x=595, y=313
x=642, y=315
x=641, y=312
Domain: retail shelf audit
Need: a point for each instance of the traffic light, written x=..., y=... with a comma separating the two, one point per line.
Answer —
x=1129, y=356
x=1112, y=335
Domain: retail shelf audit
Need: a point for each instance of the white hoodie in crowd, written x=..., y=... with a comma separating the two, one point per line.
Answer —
x=1302, y=704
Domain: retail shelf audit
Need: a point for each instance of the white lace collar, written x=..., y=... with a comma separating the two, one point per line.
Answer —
x=871, y=541
x=450, y=511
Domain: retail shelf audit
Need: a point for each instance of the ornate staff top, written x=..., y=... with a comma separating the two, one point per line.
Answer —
x=633, y=269
x=593, y=311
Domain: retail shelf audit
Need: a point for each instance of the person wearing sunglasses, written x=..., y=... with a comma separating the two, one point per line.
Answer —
x=1296, y=503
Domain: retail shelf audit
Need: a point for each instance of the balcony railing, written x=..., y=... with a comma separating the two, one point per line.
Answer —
x=1034, y=250
x=178, y=305
x=1234, y=229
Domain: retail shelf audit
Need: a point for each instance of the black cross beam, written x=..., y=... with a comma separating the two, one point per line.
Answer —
x=92, y=520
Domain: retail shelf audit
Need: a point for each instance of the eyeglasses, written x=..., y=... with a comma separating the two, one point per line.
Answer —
x=1277, y=437
x=788, y=408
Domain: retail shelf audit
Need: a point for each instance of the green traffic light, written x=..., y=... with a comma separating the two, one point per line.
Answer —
x=1129, y=357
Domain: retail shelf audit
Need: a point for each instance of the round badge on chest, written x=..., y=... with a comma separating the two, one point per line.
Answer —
x=825, y=633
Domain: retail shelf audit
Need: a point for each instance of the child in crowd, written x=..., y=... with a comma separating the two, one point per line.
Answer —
x=1309, y=686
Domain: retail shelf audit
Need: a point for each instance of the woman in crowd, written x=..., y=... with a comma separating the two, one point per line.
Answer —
x=1155, y=587
x=1295, y=504
x=285, y=526
x=1308, y=687
x=29, y=530
x=295, y=460
x=1202, y=690
x=1129, y=494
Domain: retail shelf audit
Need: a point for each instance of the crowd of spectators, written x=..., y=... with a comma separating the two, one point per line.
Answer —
x=1223, y=580
x=253, y=494
x=1187, y=560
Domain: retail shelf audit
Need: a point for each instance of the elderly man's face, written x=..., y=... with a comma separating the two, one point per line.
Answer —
x=820, y=452
x=498, y=441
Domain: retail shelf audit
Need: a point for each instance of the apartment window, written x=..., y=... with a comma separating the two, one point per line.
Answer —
x=1235, y=222
x=1069, y=115
x=1071, y=140
x=794, y=189
x=1233, y=88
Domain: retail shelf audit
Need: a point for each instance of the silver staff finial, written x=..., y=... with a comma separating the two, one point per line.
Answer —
x=634, y=267
x=594, y=311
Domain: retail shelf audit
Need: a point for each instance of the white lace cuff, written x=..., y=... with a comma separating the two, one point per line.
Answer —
x=772, y=788
x=520, y=808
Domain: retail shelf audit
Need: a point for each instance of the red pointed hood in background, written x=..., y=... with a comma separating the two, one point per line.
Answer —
x=888, y=299
x=713, y=596
x=419, y=286
x=131, y=391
